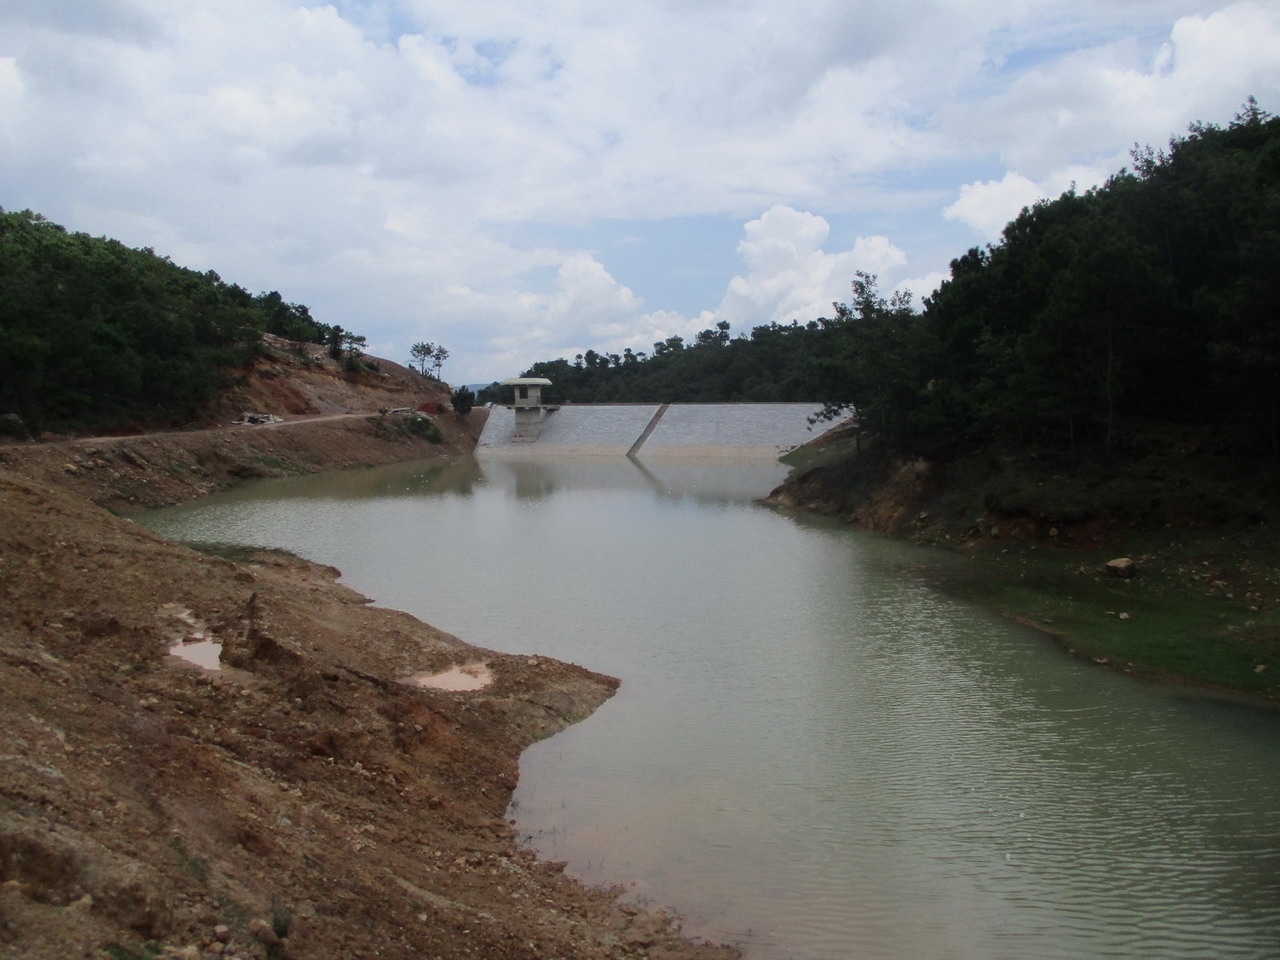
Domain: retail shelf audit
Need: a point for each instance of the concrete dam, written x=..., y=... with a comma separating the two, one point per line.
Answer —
x=727, y=431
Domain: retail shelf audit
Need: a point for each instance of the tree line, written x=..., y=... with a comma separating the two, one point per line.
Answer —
x=1152, y=298
x=98, y=335
x=772, y=364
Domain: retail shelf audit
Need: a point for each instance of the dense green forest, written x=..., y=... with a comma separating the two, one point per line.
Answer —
x=774, y=364
x=99, y=335
x=1152, y=298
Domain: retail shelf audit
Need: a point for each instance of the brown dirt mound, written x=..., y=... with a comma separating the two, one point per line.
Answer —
x=301, y=379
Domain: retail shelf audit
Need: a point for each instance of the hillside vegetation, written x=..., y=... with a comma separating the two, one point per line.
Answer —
x=1152, y=299
x=1116, y=356
x=773, y=365
x=1103, y=381
x=101, y=336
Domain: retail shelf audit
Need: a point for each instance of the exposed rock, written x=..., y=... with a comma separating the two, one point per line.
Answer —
x=142, y=801
x=1123, y=567
x=11, y=425
x=263, y=933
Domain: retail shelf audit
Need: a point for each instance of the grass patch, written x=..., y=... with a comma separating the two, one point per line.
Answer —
x=837, y=445
x=422, y=427
x=1040, y=525
x=1194, y=612
x=412, y=425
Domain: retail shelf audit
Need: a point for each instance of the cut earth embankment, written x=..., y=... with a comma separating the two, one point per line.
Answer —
x=306, y=799
x=158, y=469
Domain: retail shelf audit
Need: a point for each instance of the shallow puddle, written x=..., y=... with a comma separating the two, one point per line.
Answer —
x=467, y=676
x=203, y=653
x=191, y=639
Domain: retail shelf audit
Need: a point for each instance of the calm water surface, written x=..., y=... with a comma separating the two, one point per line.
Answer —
x=813, y=752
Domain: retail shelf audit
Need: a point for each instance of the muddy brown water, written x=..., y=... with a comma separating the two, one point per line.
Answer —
x=813, y=753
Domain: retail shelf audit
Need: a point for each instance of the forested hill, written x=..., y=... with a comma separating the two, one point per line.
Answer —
x=774, y=364
x=1155, y=297
x=101, y=336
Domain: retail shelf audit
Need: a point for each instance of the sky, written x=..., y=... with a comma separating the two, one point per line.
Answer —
x=520, y=181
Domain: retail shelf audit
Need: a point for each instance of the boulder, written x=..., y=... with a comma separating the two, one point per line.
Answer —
x=1122, y=567
x=11, y=425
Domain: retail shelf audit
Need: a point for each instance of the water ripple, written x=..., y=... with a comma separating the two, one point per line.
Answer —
x=813, y=752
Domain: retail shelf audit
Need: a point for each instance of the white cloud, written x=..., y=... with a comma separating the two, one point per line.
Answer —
x=923, y=286
x=11, y=96
x=790, y=276
x=413, y=166
x=1092, y=104
x=587, y=308
x=989, y=205
x=587, y=296
x=1089, y=105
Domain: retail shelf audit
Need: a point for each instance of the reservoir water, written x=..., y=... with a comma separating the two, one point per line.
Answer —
x=814, y=752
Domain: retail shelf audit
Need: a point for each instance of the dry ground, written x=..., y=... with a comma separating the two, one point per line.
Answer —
x=306, y=800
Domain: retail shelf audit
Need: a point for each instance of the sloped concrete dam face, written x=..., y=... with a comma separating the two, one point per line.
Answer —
x=719, y=430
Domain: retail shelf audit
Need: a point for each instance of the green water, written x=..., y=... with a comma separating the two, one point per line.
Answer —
x=813, y=753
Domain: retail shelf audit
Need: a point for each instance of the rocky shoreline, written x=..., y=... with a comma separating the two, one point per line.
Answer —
x=307, y=798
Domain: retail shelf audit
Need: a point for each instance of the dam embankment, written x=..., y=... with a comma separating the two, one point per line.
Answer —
x=730, y=431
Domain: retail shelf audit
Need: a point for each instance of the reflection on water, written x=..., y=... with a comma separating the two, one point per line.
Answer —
x=812, y=751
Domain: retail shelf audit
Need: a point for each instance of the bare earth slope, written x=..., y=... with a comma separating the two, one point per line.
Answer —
x=301, y=379
x=156, y=469
x=308, y=799
x=334, y=420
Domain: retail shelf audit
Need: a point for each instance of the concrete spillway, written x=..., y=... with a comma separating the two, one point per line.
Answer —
x=718, y=430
